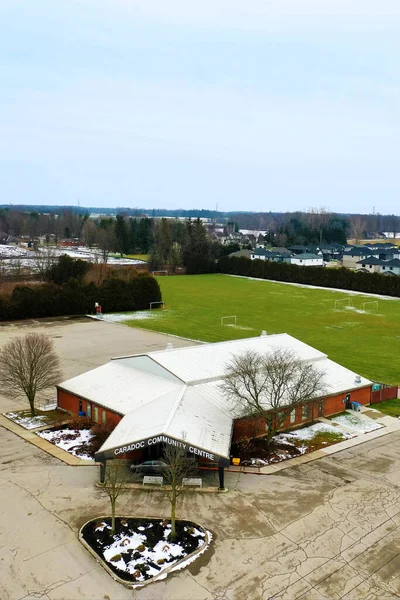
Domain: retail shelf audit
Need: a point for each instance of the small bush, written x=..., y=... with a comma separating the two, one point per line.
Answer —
x=100, y=432
x=140, y=548
x=80, y=423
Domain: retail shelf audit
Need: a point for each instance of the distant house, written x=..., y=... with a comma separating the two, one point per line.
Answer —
x=270, y=255
x=307, y=260
x=351, y=257
x=241, y=254
x=261, y=254
x=391, y=267
x=376, y=265
x=370, y=264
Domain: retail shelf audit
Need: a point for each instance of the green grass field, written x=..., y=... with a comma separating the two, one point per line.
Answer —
x=369, y=344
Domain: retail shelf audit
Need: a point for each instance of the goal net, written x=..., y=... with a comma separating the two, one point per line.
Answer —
x=371, y=306
x=156, y=305
x=343, y=303
x=229, y=320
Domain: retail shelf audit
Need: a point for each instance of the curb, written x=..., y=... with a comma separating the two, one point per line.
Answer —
x=162, y=574
x=29, y=435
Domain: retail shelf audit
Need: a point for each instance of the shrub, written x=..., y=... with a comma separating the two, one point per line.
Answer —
x=80, y=423
x=132, y=292
x=100, y=432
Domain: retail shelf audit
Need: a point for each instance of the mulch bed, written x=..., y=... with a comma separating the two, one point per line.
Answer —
x=140, y=548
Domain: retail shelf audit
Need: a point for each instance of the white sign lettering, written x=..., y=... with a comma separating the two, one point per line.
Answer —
x=163, y=439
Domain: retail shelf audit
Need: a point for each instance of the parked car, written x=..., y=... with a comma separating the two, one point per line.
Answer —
x=149, y=466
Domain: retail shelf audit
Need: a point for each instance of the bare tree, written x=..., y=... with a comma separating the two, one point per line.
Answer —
x=43, y=260
x=116, y=477
x=175, y=256
x=358, y=226
x=89, y=232
x=270, y=386
x=178, y=467
x=106, y=242
x=29, y=365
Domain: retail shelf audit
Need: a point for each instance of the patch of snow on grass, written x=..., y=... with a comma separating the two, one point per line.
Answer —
x=356, y=423
x=140, y=315
x=308, y=433
x=69, y=440
x=27, y=421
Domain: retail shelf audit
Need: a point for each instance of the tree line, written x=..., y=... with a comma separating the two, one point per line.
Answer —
x=373, y=283
x=67, y=292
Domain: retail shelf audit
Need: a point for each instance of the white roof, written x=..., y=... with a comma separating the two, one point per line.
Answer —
x=189, y=417
x=196, y=364
x=119, y=387
x=177, y=393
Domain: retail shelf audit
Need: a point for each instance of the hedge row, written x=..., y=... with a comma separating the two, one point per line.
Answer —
x=372, y=283
x=74, y=298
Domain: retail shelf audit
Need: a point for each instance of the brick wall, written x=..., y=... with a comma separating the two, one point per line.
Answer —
x=70, y=403
x=248, y=428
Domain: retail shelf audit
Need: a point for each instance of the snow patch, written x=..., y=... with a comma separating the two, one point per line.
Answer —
x=361, y=425
x=69, y=439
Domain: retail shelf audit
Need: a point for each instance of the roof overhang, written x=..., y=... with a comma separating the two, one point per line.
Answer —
x=117, y=451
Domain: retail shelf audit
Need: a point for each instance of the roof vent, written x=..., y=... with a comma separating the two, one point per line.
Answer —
x=169, y=346
x=263, y=333
x=357, y=379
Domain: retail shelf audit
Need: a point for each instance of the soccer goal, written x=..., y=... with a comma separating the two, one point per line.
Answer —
x=156, y=305
x=343, y=303
x=230, y=320
x=156, y=273
x=371, y=306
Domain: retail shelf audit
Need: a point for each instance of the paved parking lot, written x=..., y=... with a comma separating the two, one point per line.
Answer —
x=328, y=529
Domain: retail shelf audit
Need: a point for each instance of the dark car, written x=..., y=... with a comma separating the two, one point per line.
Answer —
x=149, y=466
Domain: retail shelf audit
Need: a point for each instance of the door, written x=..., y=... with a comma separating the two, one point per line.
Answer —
x=321, y=408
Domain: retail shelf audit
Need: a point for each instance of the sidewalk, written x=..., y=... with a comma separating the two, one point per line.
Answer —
x=30, y=436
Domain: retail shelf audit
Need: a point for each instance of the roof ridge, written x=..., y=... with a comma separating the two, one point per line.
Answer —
x=175, y=407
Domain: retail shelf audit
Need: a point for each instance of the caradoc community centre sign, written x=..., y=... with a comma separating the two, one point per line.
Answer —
x=163, y=439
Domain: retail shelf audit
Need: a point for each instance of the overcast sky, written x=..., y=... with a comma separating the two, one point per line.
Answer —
x=251, y=104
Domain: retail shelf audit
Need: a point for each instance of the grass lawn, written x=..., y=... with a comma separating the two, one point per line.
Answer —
x=369, y=344
x=144, y=257
x=42, y=418
x=389, y=407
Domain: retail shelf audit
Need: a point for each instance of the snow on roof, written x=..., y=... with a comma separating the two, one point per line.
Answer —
x=119, y=387
x=177, y=393
x=188, y=417
x=196, y=364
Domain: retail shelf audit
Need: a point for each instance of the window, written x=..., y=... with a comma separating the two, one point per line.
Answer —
x=301, y=260
x=96, y=414
x=80, y=407
x=89, y=410
x=391, y=268
x=363, y=266
x=104, y=416
x=383, y=268
x=370, y=266
x=293, y=415
x=304, y=411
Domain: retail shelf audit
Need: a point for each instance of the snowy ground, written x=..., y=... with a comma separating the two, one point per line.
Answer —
x=298, y=442
x=13, y=251
x=70, y=440
x=27, y=421
x=92, y=255
x=356, y=423
x=140, y=315
x=141, y=549
x=15, y=257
